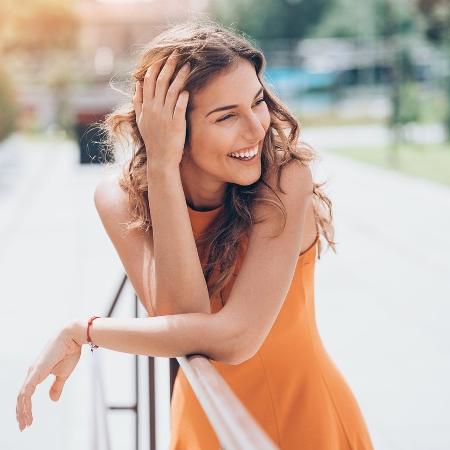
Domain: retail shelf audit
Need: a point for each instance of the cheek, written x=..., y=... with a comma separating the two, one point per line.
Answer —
x=265, y=118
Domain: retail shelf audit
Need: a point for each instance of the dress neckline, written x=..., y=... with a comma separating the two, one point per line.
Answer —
x=194, y=213
x=207, y=212
x=311, y=246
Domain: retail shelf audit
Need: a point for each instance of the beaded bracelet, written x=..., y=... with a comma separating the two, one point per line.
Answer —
x=92, y=345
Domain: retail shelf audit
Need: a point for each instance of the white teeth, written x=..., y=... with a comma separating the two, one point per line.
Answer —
x=246, y=154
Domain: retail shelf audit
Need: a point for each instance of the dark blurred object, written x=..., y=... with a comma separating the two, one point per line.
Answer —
x=91, y=139
x=437, y=19
x=8, y=107
x=437, y=29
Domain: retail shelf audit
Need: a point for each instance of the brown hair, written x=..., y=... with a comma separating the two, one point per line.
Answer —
x=212, y=49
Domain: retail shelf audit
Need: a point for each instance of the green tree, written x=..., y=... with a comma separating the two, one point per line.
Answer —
x=270, y=19
x=436, y=15
x=8, y=106
x=395, y=25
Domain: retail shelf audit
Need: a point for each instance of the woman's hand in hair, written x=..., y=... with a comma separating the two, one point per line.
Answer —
x=161, y=112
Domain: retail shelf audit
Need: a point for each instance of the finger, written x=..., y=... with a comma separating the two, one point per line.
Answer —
x=22, y=412
x=150, y=81
x=19, y=412
x=179, y=113
x=28, y=410
x=56, y=389
x=162, y=81
x=35, y=376
x=175, y=89
x=137, y=100
x=26, y=404
x=18, y=415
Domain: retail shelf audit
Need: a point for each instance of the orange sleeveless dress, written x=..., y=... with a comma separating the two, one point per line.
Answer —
x=291, y=386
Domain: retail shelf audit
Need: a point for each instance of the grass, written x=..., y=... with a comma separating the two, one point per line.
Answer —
x=334, y=121
x=431, y=162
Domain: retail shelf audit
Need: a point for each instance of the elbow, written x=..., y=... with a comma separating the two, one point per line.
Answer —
x=230, y=344
x=226, y=355
x=240, y=356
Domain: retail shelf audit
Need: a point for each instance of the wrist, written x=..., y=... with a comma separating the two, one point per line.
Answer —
x=77, y=331
x=157, y=169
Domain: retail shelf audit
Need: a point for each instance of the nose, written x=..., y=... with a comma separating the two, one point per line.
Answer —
x=255, y=131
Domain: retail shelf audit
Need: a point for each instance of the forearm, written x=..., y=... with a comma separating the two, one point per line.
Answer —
x=180, y=283
x=163, y=336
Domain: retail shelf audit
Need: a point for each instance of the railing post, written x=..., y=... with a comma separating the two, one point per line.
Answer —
x=136, y=379
x=232, y=423
x=173, y=367
x=151, y=401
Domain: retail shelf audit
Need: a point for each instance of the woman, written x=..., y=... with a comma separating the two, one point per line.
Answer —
x=193, y=217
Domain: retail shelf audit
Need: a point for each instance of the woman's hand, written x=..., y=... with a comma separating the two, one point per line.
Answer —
x=59, y=357
x=161, y=112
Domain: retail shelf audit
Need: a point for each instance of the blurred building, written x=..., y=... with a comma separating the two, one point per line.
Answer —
x=110, y=36
x=116, y=30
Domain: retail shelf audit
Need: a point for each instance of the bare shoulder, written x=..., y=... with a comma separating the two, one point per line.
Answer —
x=296, y=186
x=110, y=199
x=296, y=178
x=296, y=194
x=134, y=247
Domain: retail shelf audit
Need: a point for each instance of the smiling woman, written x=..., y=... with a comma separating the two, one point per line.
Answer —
x=215, y=153
x=230, y=113
x=207, y=224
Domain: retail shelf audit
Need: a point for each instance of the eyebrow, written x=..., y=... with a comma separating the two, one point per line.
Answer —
x=223, y=108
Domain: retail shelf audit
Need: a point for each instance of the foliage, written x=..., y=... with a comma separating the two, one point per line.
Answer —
x=408, y=108
x=270, y=19
x=436, y=14
x=437, y=18
x=370, y=19
x=8, y=107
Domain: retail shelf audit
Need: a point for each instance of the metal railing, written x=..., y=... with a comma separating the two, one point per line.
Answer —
x=235, y=428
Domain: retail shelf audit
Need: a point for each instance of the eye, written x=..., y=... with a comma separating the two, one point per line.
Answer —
x=231, y=115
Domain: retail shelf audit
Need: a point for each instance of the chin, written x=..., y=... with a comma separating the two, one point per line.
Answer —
x=246, y=181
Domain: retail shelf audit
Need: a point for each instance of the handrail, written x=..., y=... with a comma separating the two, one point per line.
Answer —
x=234, y=426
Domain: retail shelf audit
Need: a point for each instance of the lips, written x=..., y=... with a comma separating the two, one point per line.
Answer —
x=248, y=149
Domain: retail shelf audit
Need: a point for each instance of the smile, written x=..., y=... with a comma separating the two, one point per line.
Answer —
x=245, y=156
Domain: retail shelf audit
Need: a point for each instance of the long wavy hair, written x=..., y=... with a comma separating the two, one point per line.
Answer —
x=212, y=49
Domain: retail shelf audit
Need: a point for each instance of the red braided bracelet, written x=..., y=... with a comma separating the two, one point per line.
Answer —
x=88, y=337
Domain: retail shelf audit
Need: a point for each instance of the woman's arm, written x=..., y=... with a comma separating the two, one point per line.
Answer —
x=160, y=109
x=175, y=335
x=180, y=283
x=163, y=336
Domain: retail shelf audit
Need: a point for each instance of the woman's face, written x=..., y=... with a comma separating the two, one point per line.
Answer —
x=229, y=116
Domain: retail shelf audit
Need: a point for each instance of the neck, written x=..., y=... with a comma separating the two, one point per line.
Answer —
x=201, y=192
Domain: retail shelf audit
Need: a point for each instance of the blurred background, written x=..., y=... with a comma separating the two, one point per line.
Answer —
x=370, y=85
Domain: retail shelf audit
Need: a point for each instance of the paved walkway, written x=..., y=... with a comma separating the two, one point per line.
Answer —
x=382, y=301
